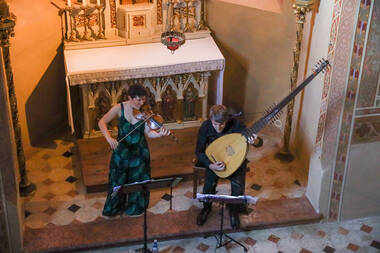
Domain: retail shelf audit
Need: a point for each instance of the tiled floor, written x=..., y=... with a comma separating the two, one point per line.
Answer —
x=361, y=235
x=61, y=198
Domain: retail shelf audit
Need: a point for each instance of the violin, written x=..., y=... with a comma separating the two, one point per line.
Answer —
x=154, y=121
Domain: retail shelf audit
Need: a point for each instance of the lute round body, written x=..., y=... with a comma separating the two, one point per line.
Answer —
x=230, y=149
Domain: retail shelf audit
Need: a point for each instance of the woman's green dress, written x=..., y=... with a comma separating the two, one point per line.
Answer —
x=130, y=162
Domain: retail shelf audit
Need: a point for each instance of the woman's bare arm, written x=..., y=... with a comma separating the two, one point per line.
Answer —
x=108, y=117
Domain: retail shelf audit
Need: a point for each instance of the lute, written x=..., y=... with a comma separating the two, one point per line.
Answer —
x=232, y=148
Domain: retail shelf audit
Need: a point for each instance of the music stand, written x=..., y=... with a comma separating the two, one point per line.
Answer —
x=223, y=200
x=145, y=186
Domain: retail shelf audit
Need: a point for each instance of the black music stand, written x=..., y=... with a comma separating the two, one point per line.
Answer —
x=145, y=186
x=219, y=236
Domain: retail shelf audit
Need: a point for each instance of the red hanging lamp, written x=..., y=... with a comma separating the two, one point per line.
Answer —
x=172, y=40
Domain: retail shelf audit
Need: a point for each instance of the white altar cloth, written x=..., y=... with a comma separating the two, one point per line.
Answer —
x=87, y=66
x=143, y=60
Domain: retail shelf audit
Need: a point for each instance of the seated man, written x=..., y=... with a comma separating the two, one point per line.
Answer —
x=218, y=125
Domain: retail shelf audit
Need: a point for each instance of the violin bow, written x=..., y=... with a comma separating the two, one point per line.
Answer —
x=128, y=134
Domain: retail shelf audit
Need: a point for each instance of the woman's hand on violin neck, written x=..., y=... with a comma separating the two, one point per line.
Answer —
x=164, y=132
x=113, y=142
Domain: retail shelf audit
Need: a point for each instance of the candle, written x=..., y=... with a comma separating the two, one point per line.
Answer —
x=98, y=2
x=84, y=2
x=69, y=3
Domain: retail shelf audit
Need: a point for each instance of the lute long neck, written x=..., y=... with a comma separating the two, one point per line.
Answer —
x=263, y=121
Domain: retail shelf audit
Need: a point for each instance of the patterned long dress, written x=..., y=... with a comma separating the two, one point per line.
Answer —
x=130, y=162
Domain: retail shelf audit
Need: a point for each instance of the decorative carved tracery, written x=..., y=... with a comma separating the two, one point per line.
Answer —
x=184, y=93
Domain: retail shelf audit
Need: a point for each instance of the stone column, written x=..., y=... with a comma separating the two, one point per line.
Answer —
x=10, y=206
x=7, y=23
x=301, y=7
x=219, y=87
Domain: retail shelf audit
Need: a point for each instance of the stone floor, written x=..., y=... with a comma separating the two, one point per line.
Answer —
x=361, y=235
x=61, y=198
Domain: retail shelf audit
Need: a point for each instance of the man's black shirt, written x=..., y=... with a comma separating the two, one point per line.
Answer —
x=208, y=134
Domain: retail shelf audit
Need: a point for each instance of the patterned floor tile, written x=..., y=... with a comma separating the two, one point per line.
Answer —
x=321, y=233
x=375, y=244
x=71, y=179
x=343, y=231
x=250, y=241
x=37, y=220
x=73, y=208
x=59, y=174
x=67, y=154
x=86, y=214
x=329, y=249
x=296, y=236
x=37, y=206
x=26, y=214
x=50, y=211
x=305, y=251
x=178, y=249
x=366, y=228
x=189, y=194
x=60, y=188
x=166, y=197
x=273, y=238
x=270, y=172
x=72, y=193
x=62, y=217
x=45, y=156
x=49, y=196
x=229, y=245
x=352, y=247
x=256, y=187
x=203, y=247
x=98, y=205
x=48, y=182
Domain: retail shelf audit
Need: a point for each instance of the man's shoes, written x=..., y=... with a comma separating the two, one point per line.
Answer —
x=234, y=219
x=202, y=216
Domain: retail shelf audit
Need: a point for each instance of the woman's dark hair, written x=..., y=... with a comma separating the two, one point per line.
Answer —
x=136, y=90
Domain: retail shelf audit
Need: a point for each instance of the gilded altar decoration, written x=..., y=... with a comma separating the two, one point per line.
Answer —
x=128, y=21
x=159, y=12
x=92, y=20
x=138, y=20
x=113, y=11
x=84, y=22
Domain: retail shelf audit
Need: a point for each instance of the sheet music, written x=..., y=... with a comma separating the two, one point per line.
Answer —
x=227, y=198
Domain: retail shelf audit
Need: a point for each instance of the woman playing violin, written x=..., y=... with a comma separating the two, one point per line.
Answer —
x=130, y=160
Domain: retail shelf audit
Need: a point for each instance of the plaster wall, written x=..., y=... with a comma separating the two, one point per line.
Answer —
x=257, y=46
x=305, y=123
x=361, y=195
x=36, y=57
x=307, y=106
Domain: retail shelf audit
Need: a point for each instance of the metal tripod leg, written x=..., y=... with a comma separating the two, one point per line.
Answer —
x=219, y=237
